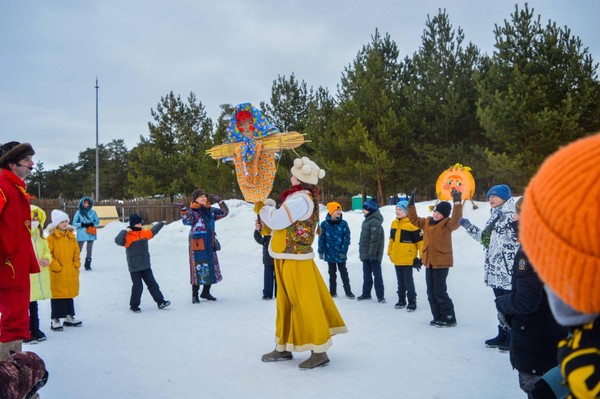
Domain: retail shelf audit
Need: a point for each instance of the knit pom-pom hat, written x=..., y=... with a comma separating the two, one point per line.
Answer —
x=307, y=171
x=559, y=223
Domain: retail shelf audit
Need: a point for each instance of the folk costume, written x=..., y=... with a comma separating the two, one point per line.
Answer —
x=307, y=317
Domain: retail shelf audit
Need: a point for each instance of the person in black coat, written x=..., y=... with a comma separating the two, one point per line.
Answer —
x=534, y=331
x=262, y=235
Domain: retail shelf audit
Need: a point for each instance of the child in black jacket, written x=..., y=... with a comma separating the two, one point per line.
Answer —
x=135, y=239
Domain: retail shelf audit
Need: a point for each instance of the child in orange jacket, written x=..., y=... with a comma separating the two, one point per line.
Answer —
x=64, y=270
x=135, y=239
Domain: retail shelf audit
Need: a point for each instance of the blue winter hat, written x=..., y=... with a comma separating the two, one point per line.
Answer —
x=501, y=190
x=402, y=204
x=370, y=206
x=444, y=208
x=134, y=219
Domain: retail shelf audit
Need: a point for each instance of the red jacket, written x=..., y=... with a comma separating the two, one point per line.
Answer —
x=17, y=257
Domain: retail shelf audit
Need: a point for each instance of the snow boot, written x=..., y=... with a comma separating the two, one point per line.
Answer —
x=400, y=305
x=315, y=360
x=412, y=306
x=497, y=340
x=364, y=298
x=135, y=309
x=88, y=264
x=446, y=321
x=71, y=321
x=195, y=298
x=277, y=356
x=164, y=304
x=7, y=348
x=381, y=300
x=206, y=293
x=55, y=325
x=505, y=345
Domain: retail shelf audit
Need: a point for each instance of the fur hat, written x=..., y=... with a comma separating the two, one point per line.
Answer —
x=370, y=205
x=13, y=152
x=559, y=223
x=333, y=206
x=444, y=208
x=307, y=171
x=501, y=191
x=134, y=219
x=57, y=216
x=402, y=204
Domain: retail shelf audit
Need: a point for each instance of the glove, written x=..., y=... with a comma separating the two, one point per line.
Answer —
x=464, y=223
x=214, y=198
x=411, y=201
x=417, y=263
x=504, y=321
x=321, y=256
x=456, y=196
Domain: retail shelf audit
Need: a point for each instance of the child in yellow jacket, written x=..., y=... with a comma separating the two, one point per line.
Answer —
x=40, y=282
x=64, y=270
x=404, y=248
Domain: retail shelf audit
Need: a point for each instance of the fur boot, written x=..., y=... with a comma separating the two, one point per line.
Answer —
x=277, y=356
x=315, y=360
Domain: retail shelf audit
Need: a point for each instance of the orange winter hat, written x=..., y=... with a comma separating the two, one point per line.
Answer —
x=333, y=206
x=559, y=227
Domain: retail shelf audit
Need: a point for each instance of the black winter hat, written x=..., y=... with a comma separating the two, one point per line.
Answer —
x=444, y=208
x=134, y=219
x=13, y=152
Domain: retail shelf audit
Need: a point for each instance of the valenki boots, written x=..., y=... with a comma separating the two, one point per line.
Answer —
x=277, y=356
x=315, y=360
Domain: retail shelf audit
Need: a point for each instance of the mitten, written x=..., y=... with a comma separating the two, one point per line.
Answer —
x=417, y=263
x=214, y=198
x=271, y=202
x=456, y=196
x=411, y=201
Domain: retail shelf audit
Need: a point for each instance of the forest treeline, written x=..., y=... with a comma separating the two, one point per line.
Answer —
x=394, y=122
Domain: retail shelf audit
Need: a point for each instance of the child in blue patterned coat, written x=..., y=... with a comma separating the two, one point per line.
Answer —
x=333, y=247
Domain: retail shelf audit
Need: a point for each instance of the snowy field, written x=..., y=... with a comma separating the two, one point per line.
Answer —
x=213, y=349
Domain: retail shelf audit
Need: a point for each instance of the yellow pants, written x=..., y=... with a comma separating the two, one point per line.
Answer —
x=307, y=317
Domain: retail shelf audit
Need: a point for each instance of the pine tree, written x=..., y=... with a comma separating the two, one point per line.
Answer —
x=539, y=92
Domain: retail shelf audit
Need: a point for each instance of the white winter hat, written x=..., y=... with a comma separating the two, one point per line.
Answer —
x=58, y=216
x=307, y=171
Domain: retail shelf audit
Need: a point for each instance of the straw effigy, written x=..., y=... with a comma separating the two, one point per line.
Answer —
x=271, y=143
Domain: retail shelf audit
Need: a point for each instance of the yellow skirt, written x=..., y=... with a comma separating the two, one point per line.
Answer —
x=307, y=317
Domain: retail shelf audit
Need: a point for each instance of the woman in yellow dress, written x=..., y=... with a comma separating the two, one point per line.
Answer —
x=307, y=317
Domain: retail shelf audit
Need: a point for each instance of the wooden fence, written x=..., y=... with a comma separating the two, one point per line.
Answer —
x=150, y=209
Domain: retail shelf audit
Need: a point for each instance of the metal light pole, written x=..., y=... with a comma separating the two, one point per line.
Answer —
x=97, y=155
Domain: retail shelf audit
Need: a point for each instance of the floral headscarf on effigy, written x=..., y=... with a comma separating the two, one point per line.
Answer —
x=261, y=128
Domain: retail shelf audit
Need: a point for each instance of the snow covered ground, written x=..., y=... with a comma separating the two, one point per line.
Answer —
x=212, y=350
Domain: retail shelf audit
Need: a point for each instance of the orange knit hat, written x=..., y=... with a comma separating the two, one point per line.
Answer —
x=559, y=223
x=332, y=206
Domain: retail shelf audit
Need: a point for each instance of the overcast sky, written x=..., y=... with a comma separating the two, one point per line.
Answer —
x=223, y=51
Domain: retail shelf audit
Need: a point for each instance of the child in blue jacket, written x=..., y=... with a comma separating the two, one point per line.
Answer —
x=333, y=247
